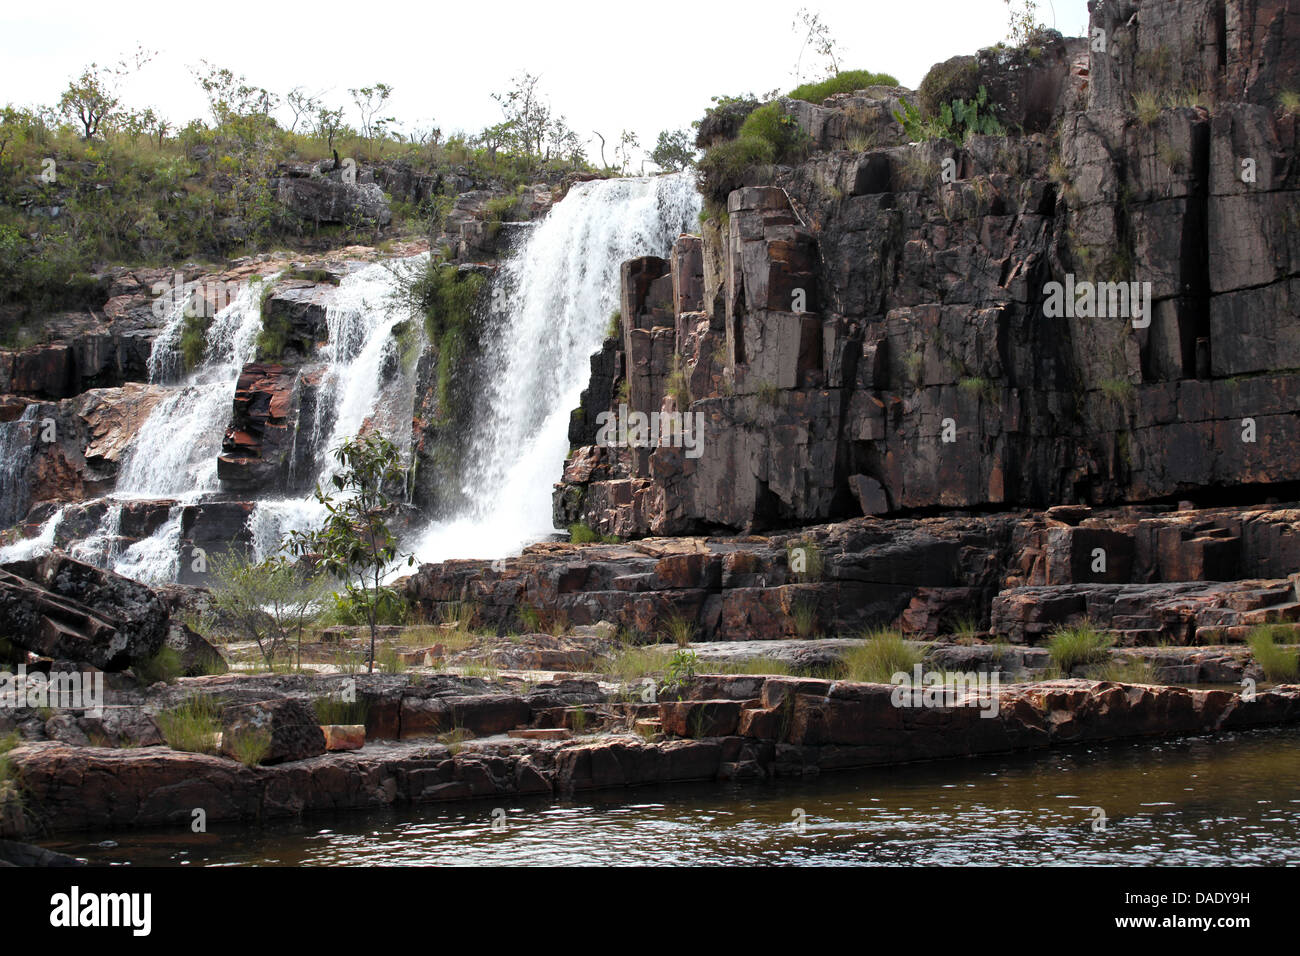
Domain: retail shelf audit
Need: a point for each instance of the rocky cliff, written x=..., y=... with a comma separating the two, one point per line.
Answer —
x=1101, y=306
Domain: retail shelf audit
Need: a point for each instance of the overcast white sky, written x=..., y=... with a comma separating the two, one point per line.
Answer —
x=606, y=66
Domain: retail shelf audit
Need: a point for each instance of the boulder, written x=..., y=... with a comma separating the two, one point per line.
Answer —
x=61, y=608
x=289, y=726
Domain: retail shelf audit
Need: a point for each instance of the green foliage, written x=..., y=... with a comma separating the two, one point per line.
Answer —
x=956, y=121
x=953, y=79
x=194, y=340
x=1278, y=664
x=673, y=150
x=268, y=601
x=164, y=666
x=1071, y=647
x=805, y=560
x=1135, y=670
x=679, y=629
x=581, y=533
x=191, y=725
x=768, y=135
x=447, y=298
x=882, y=654
x=846, y=82
x=497, y=209
x=681, y=670
x=7, y=743
x=355, y=544
x=344, y=608
x=335, y=710
x=1288, y=102
x=277, y=327
x=250, y=746
x=614, y=329
x=803, y=614
x=677, y=385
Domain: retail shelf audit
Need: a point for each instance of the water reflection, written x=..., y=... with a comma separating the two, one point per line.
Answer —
x=1231, y=800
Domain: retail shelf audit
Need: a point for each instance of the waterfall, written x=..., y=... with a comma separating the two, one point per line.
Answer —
x=559, y=287
x=175, y=452
x=551, y=302
x=364, y=386
x=16, y=440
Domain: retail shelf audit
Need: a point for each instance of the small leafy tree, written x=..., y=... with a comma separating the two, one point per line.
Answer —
x=1024, y=25
x=369, y=101
x=674, y=150
x=268, y=601
x=355, y=544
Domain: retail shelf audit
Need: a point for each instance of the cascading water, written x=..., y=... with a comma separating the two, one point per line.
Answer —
x=366, y=383
x=558, y=288
x=560, y=285
x=175, y=452
x=16, y=439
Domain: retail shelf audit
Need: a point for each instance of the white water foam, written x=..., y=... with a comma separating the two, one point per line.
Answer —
x=560, y=286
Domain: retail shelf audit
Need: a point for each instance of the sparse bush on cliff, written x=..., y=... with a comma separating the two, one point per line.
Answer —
x=881, y=654
x=956, y=121
x=1071, y=647
x=953, y=79
x=1278, y=663
x=768, y=135
x=191, y=725
x=846, y=82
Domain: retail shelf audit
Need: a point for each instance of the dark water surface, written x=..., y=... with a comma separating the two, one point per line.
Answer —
x=1234, y=799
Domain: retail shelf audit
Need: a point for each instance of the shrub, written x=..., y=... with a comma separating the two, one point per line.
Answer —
x=846, y=82
x=956, y=121
x=7, y=743
x=681, y=670
x=1278, y=664
x=679, y=629
x=882, y=654
x=191, y=725
x=194, y=341
x=953, y=79
x=1135, y=670
x=804, y=616
x=768, y=135
x=335, y=710
x=268, y=601
x=1081, y=644
x=250, y=746
x=164, y=666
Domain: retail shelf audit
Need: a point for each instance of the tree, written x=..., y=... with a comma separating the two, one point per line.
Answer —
x=302, y=105
x=627, y=141
x=674, y=151
x=1024, y=25
x=92, y=100
x=267, y=601
x=817, y=35
x=370, y=100
x=527, y=114
x=355, y=544
x=329, y=124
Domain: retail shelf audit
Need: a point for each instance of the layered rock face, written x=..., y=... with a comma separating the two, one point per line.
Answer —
x=1097, y=311
x=1149, y=576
